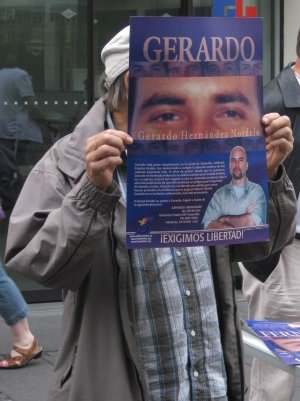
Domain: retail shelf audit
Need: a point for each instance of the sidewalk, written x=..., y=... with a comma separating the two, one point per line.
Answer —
x=31, y=383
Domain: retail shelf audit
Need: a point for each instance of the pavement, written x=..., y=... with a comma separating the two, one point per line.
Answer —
x=32, y=382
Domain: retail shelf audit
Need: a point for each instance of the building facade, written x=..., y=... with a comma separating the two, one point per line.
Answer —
x=52, y=49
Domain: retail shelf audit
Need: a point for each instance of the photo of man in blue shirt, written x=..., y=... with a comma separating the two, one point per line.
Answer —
x=240, y=203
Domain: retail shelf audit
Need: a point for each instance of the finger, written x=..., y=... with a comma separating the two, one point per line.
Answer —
x=267, y=118
x=277, y=124
x=104, y=139
x=284, y=146
x=102, y=152
x=113, y=132
x=98, y=167
x=285, y=133
x=112, y=137
x=127, y=139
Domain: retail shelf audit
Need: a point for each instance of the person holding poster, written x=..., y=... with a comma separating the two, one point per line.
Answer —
x=240, y=203
x=142, y=324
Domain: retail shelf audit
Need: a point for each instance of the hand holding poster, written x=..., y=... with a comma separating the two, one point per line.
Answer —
x=197, y=167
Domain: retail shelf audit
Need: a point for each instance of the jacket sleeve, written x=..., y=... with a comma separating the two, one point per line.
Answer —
x=282, y=208
x=55, y=228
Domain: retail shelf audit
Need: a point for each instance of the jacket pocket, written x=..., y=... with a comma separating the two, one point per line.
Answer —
x=68, y=372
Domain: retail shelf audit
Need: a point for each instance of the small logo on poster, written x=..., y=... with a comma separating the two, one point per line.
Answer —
x=143, y=227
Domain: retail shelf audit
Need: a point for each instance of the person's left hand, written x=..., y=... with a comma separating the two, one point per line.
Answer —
x=279, y=140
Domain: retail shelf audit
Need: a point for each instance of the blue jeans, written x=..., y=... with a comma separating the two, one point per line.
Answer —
x=12, y=304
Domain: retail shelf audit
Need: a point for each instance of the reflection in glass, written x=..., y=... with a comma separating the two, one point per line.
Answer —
x=43, y=91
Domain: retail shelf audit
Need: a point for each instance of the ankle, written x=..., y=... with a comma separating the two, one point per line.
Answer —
x=24, y=342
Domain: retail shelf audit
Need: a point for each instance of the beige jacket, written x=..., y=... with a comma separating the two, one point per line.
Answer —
x=62, y=234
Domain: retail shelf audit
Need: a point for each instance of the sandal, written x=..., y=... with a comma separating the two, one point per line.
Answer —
x=26, y=355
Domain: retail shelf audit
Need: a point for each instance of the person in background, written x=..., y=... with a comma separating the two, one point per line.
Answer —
x=14, y=311
x=272, y=288
x=20, y=118
x=13, y=308
x=143, y=324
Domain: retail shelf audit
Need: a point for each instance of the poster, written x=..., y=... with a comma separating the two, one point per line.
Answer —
x=282, y=338
x=197, y=167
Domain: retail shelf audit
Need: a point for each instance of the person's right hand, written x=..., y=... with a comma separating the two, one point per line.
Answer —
x=103, y=155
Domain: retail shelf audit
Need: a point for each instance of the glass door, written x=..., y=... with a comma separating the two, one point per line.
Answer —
x=43, y=77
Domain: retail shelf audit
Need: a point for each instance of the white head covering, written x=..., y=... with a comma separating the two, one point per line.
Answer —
x=115, y=56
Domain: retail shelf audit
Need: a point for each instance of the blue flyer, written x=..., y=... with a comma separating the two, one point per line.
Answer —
x=282, y=338
x=197, y=167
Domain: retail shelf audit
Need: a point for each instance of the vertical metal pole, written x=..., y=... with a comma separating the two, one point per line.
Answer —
x=90, y=54
x=187, y=8
x=273, y=35
x=281, y=33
